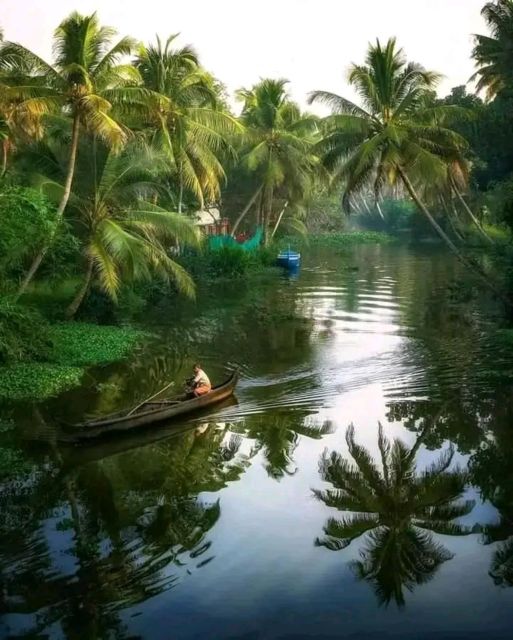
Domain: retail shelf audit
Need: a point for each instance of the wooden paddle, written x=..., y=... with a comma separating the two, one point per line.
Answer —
x=148, y=399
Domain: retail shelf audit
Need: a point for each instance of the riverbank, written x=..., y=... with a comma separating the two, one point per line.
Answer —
x=234, y=262
x=42, y=357
x=59, y=356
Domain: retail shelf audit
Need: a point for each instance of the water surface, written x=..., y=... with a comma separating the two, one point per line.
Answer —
x=208, y=528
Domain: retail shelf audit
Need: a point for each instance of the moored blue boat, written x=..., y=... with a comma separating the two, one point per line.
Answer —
x=289, y=259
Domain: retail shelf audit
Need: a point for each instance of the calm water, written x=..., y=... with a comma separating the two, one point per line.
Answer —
x=212, y=529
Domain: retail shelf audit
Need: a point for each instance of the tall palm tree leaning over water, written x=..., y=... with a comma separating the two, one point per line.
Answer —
x=395, y=137
x=84, y=80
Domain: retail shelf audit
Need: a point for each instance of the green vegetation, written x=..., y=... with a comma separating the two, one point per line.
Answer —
x=277, y=148
x=37, y=381
x=84, y=344
x=229, y=262
x=24, y=334
x=43, y=360
x=338, y=240
x=110, y=148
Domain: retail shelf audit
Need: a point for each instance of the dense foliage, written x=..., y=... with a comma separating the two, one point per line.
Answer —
x=26, y=218
x=24, y=334
x=43, y=360
x=110, y=148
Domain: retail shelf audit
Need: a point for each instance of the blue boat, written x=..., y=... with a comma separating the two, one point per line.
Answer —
x=289, y=259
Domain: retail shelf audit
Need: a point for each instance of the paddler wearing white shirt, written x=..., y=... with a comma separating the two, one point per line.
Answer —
x=201, y=382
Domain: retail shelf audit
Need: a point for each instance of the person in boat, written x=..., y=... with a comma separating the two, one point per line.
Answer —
x=201, y=382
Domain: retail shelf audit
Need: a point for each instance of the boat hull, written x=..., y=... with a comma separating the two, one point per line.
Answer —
x=144, y=418
x=289, y=260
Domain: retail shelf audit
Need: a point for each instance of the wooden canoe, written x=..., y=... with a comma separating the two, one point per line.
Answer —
x=151, y=412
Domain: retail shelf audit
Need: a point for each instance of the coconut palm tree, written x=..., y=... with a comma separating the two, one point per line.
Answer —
x=277, y=147
x=124, y=233
x=17, y=120
x=393, y=137
x=494, y=54
x=183, y=117
x=83, y=81
x=397, y=508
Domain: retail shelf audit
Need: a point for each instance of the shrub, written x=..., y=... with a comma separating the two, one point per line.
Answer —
x=37, y=380
x=24, y=334
x=336, y=240
x=227, y=262
x=82, y=344
x=26, y=219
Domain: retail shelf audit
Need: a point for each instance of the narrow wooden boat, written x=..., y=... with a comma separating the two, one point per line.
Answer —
x=151, y=412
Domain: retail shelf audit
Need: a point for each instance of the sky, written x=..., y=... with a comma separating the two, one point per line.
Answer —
x=309, y=42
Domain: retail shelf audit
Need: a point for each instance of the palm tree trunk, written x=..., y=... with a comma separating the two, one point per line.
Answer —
x=82, y=291
x=470, y=265
x=379, y=211
x=246, y=209
x=180, y=191
x=267, y=216
x=60, y=210
x=260, y=210
x=469, y=211
x=353, y=203
x=455, y=230
x=279, y=219
x=364, y=201
x=5, y=151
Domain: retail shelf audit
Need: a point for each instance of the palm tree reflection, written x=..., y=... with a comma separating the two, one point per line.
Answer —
x=397, y=508
x=277, y=436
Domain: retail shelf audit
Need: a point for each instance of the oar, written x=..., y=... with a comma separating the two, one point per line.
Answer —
x=148, y=399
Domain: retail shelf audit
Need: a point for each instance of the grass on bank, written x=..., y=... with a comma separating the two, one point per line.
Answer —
x=42, y=360
x=338, y=240
x=37, y=380
x=234, y=262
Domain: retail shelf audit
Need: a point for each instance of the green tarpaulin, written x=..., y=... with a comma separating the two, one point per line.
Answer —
x=218, y=242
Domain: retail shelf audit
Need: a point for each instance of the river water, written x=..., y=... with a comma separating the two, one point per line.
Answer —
x=229, y=526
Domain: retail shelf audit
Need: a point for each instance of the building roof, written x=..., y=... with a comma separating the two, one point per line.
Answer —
x=207, y=216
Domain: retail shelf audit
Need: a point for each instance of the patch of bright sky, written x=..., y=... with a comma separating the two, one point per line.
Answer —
x=309, y=42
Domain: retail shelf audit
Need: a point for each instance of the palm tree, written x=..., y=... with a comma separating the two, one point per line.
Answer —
x=397, y=508
x=183, y=117
x=84, y=80
x=277, y=146
x=393, y=137
x=494, y=54
x=458, y=177
x=124, y=233
x=16, y=120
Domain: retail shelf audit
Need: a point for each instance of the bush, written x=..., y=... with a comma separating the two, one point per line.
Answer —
x=227, y=262
x=336, y=240
x=37, y=380
x=325, y=214
x=24, y=334
x=26, y=219
x=39, y=360
x=81, y=344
